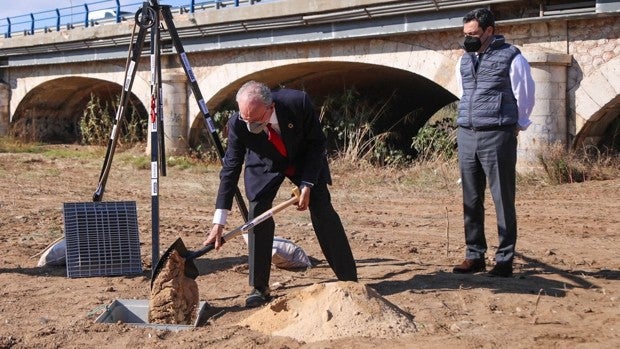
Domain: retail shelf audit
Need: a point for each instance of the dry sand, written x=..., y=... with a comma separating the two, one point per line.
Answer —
x=331, y=311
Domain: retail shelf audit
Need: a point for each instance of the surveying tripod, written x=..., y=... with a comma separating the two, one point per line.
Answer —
x=148, y=17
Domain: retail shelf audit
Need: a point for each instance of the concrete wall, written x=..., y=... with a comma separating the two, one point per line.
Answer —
x=592, y=76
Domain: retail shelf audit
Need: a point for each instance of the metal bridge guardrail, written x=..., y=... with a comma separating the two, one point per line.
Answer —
x=95, y=13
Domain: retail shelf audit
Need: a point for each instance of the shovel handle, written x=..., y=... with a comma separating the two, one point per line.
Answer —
x=249, y=225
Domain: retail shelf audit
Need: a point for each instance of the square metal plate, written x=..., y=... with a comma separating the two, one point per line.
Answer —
x=135, y=312
x=102, y=239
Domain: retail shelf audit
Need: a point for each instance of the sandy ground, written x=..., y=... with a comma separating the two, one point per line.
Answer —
x=406, y=236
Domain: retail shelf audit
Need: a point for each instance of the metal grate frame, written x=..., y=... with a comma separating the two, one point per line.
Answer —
x=102, y=239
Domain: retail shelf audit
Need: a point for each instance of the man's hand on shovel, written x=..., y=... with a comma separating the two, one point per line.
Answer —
x=215, y=236
x=304, y=199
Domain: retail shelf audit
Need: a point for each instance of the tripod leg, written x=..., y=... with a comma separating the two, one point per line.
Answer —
x=167, y=15
x=130, y=73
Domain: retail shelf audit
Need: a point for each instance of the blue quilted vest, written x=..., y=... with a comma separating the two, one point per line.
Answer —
x=488, y=100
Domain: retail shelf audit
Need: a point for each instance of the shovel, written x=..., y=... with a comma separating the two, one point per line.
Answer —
x=191, y=270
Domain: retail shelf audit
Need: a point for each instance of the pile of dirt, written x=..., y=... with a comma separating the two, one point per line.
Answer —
x=174, y=296
x=331, y=311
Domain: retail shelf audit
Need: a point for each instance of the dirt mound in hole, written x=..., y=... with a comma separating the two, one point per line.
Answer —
x=331, y=311
x=174, y=296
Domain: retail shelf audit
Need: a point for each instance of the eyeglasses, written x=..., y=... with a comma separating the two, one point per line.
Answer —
x=248, y=118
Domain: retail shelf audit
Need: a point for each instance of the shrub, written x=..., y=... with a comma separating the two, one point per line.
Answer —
x=577, y=165
x=204, y=149
x=98, y=119
x=437, y=139
x=350, y=125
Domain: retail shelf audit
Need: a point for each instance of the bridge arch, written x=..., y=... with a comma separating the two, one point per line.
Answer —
x=597, y=103
x=428, y=63
x=50, y=111
x=423, y=78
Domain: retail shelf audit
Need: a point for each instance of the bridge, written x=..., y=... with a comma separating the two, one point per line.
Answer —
x=377, y=46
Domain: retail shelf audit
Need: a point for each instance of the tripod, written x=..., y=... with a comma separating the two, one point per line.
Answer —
x=148, y=17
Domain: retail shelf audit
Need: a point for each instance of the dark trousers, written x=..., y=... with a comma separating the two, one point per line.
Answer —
x=489, y=155
x=327, y=227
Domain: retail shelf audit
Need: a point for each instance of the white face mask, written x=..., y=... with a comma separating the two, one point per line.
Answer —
x=256, y=127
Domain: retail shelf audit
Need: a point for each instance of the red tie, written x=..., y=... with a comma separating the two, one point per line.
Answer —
x=276, y=140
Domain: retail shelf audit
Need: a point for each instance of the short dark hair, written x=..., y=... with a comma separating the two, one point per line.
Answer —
x=483, y=16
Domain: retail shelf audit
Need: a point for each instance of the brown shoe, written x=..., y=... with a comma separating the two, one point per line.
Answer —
x=470, y=266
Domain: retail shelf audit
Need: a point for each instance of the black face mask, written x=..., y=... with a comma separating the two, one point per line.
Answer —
x=472, y=43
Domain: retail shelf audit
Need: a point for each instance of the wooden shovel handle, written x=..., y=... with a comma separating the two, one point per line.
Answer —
x=249, y=225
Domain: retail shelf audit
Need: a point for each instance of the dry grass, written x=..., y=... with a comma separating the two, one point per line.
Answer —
x=558, y=165
x=578, y=165
x=427, y=174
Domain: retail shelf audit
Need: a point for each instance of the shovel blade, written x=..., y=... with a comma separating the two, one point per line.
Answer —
x=190, y=271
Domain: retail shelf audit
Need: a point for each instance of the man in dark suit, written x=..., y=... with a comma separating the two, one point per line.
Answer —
x=265, y=117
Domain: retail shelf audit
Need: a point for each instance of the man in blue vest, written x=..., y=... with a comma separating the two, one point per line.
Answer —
x=497, y=97
x=277, y=134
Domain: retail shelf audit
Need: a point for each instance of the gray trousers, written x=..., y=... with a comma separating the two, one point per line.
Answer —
x=489, y=154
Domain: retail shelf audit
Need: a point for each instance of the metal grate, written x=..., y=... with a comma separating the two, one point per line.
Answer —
x=102, y=238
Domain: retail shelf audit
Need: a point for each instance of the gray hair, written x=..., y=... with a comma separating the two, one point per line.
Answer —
x=254, y=90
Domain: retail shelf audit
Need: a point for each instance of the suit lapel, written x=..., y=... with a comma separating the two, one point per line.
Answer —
x=286, y=126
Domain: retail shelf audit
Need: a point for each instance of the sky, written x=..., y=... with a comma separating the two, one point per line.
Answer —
x=71, y=11
x=10, y=8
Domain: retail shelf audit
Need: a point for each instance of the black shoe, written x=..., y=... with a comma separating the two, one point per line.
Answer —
x=470, y=266
x=257, y=298
x=503, y=270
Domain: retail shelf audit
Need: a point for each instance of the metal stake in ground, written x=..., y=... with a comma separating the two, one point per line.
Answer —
x=156, y=117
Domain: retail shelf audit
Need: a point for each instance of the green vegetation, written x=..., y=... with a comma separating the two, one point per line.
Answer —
x=354, y=142
x=351, y=125
x=13, y=145
x=437, y=139
x=99, y=118
x=204, y=149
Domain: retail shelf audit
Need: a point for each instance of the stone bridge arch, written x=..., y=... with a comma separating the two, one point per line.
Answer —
x=50, y=111
x=596, y=103
x=373, y=65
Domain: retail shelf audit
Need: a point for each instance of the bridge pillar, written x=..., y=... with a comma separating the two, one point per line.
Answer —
x=5, y=93
x=174, y=95
x=549, y=116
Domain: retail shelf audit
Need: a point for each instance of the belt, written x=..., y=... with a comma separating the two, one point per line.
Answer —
x=489, y=128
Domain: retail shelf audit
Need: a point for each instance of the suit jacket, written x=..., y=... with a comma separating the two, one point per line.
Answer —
x=303, y=138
